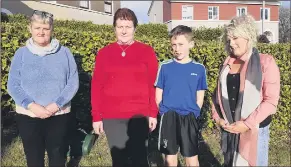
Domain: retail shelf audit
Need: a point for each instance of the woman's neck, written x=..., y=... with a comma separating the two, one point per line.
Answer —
x=125, y=43
x=41, y=45
x=246, y=55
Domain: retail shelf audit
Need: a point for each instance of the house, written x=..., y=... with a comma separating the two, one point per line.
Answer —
x=99, y=12
x=213, y=13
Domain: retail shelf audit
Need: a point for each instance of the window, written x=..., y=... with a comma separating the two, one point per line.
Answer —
x=241, y=11
x=267, y=14
x=187, y=12
x=213, y=13
x=108, y=6
x=84, y=4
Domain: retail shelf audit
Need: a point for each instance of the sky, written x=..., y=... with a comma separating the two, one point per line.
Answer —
x=141, y=8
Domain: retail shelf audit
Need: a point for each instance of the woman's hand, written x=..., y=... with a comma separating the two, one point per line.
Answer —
x=53, y=108
x=237, y=127
x=98, y=127
x=221, y=122
x=39, y=111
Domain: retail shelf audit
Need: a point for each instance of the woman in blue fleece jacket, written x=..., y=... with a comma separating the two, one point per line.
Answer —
x=43, y=79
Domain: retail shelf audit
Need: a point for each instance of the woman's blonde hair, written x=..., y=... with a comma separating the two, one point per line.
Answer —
x=241, y=26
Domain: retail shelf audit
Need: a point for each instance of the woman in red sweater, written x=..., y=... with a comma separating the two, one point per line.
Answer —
x=123, y=93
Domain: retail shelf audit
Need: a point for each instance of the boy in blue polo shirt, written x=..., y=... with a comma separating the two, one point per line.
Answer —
x=180, y=87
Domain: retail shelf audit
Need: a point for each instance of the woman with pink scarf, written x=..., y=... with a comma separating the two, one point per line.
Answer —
x=246, y=96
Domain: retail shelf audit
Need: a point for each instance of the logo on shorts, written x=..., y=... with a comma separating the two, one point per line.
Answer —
x=165, y=143
x=193, y=74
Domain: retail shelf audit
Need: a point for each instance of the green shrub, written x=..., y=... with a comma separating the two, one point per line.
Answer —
x=84, y=45
x=208, y=34
x=17, y=18
x=147, y=30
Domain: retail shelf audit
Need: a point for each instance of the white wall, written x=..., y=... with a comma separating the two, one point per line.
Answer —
x=156, y=13
x=59, y=11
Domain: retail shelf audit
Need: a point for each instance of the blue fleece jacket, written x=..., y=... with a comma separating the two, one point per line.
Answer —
x=43, y=79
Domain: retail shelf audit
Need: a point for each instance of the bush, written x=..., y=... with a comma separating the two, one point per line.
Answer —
x=148, y=30
x=84, y=45
x=17, y=18
x=263, y=39
x=211, y=34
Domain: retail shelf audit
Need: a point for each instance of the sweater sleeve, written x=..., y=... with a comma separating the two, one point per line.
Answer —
x=152, y=71
x=72, y=85
x=14, y=82
x=271, y=93
x=96, y=87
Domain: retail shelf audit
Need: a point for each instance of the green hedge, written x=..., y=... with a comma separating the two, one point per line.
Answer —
x=84, y=45
x=208, y=34
x=149, y=30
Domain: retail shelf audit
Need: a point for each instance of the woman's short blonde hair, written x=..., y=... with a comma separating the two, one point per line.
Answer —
x=241, y=26
x=44, y=19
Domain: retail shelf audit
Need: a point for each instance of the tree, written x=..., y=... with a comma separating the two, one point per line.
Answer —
x=263, y=39
x=284, y=25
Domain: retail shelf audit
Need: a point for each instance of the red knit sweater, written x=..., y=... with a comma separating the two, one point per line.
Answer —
x=123, y=87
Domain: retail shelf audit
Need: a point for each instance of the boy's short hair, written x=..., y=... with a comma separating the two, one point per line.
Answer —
x=182, y=30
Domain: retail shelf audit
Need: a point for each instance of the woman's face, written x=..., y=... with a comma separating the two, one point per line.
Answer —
x=124, y=30
x=238, y=45
x=41, y=33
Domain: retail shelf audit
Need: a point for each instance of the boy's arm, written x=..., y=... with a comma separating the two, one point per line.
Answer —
x=202, y=86
x=200, y=98
x=159, y=84
x=159, y=96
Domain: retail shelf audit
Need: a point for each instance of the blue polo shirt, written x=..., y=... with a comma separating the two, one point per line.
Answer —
x=180, y=83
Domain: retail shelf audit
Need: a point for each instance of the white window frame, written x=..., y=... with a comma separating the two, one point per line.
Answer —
x=109, y=3
x=88, y=6
x=240, y=8
x=211, y=7
x=191, y=11
x=269, y=13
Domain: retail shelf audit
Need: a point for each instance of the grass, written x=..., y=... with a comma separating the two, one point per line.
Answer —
x=279, y=154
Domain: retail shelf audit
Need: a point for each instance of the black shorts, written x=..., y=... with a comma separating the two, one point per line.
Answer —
x=178, y=131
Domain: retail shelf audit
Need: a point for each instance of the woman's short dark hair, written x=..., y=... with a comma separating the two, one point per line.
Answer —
x=125, y=14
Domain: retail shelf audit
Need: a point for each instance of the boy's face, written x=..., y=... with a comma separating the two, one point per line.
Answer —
x=181, y=46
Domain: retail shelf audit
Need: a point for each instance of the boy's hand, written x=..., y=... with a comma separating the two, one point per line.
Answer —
x=152, y=123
